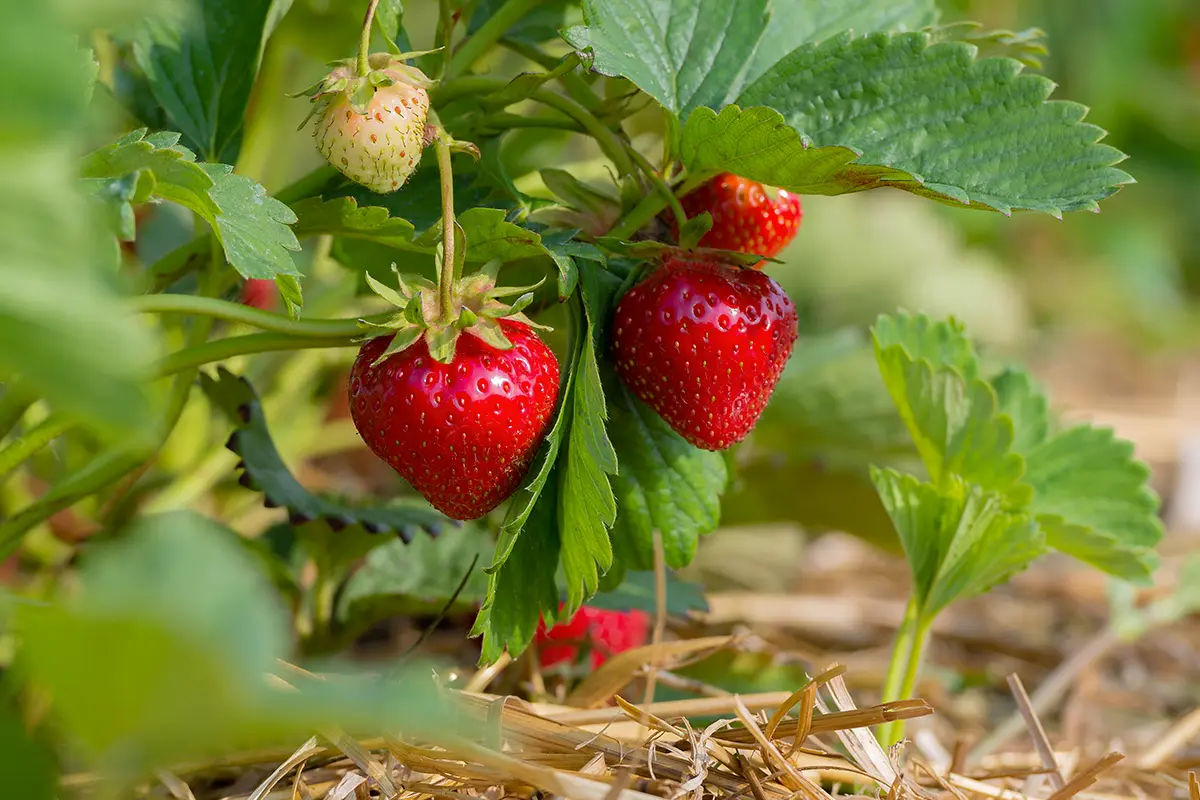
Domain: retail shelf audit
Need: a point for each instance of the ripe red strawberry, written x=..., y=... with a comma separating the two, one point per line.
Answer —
x=747, y=217
x=259, y=293
x=605, y=634
x=703, y=344
x=372, y=128
x=462, y=433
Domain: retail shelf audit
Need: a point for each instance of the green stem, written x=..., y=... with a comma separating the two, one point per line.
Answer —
x=446, y=33
x=664, y=190
x=611, y=143
x=648, y=208
x=222, y=349
x=904, y=668
x=446, y=276
x=364, y=40
x=575, y=85
x=34, y=440
x=488, y=34
x=236, y=312
x=505, y=121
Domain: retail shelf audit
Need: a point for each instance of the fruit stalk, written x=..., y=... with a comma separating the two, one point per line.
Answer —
x=664, y=190
x=364, y=40
x=446, y=272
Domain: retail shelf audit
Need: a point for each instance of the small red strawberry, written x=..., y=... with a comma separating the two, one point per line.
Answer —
x=747, y=216
x=259, y=293
x=457, y=406
x=603, y=633
x=372, y=127
x=703, y=344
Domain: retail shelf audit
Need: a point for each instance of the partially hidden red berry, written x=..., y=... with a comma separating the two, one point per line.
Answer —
x=747, y=216
x=259, y=293
x=604, y=633
x=703, y=344
x=464, y=433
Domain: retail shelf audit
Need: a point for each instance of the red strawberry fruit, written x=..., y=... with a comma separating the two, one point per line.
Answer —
x=603, y=633
x=703, y=344
x=747, y=216
x=259, y=293
x=463, y=433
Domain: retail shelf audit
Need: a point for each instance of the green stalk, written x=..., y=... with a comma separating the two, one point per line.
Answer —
x=222, y=349
x=506, y=121
x=15, y=401
x=488, y=34
x=364, y=40
x=236, y=312
x=446, y=276
x=648, y=208
x=664, y=190
x=34, y=440
x=446, y=34
x=904, y=667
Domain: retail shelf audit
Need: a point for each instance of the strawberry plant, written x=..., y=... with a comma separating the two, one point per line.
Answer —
x=533, y=263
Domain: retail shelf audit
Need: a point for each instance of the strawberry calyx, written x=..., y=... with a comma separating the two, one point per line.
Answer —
x=652, y=250
x=386, y=69
x=475, y=309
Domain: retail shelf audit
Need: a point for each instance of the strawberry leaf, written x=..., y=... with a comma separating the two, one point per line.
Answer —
x=818, y=20
x=265, y=471
x=201, y=68
x=252, y=226
x=959, y=538
x=415, y=578
x=951, y=417
x=1026, y=405
x=1092, y=499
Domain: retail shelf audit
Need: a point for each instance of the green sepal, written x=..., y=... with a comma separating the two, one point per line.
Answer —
x=466, y=318
x=386, y=292
x=469, y=148
x=489, y=331
x=520, y=317
x=441, y=340
x=694, y=229
x=509, y=291
x=518, y=305
x=404, y=339
x=491, y=270
x=360, y=98
x=380, y=79
x=414, y=312
x=411, y=54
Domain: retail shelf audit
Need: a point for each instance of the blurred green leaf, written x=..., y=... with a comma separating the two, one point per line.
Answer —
x=1024, y=402
x=266, y=472
x=63, y=329
x=28, y=766
x=179, y=632
x=201, y=68
x=1027, y=46
x=959, y=539
x=637, y=593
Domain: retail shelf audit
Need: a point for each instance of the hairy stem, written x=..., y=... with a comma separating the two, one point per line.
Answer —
x=488, y=34
x=236, y=312
x=34, y=440
x=364, y=39
x=664, y=190
x=446, y=276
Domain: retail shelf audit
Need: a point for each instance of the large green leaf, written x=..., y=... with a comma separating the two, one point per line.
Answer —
x=1092, y=499
x=828, y=118
x=799, y=22
x=201, y=68
x=63, y=330
x=265, y=470
x=664, y=484
x=959, y=539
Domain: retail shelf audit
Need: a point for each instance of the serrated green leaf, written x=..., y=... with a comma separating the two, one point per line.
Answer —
x=253, y=227
x=177, y=175
x=587, y=507
x=265, y=470
x=683, y=53
x=414, y=578
x=943, y=343
x=1018, y=396
x=521, y=587
x=799, y=22
x=663, y=483
x=1003, y=148
x=1093, y=500
x=342, y=216
x=953, y=420
x=201, y=68
x=959, y=539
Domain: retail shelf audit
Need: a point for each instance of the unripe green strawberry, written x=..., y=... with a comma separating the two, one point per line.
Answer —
x=372, y=128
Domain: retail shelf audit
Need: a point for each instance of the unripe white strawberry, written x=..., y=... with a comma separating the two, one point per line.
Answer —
x=371, y=128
